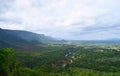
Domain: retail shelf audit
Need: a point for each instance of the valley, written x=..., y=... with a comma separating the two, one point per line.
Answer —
x=24, y=53
x=76, y=60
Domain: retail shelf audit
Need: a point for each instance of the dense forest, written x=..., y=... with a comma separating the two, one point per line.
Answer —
x=62, y=60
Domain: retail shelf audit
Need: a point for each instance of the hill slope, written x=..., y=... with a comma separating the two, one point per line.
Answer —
x=29, y=36
x=22, y=39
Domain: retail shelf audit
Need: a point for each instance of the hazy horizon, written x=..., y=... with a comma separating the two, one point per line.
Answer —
x=64, y=19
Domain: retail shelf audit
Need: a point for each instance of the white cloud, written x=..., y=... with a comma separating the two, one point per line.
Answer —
x=60, y=18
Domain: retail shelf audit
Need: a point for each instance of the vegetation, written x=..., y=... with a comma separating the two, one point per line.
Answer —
x=62, y=60
x=8, y=64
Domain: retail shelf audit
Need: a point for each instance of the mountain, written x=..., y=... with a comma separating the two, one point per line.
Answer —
x=22, y=39
x=7, y=37
x=31, y=37
x=107, y=41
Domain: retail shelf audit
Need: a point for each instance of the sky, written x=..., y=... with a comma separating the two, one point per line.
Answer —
x=63, y=19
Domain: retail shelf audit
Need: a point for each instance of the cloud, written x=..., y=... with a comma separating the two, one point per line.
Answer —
x=68, y=19
x=5, y=5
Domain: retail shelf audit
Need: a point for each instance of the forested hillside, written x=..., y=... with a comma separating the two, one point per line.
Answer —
x=63, y=60
x=21, y=40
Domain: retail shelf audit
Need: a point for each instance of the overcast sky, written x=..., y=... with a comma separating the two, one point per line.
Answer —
x=65, y=19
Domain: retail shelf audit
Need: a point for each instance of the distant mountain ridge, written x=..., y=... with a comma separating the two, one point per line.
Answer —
x=30, y=36
x=107, y=41
x=25, y=39
x=13, y=38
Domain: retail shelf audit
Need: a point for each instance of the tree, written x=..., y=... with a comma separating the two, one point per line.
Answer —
x=8, y=62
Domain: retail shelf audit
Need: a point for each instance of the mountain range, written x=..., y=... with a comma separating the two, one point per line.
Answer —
x=22, y=39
